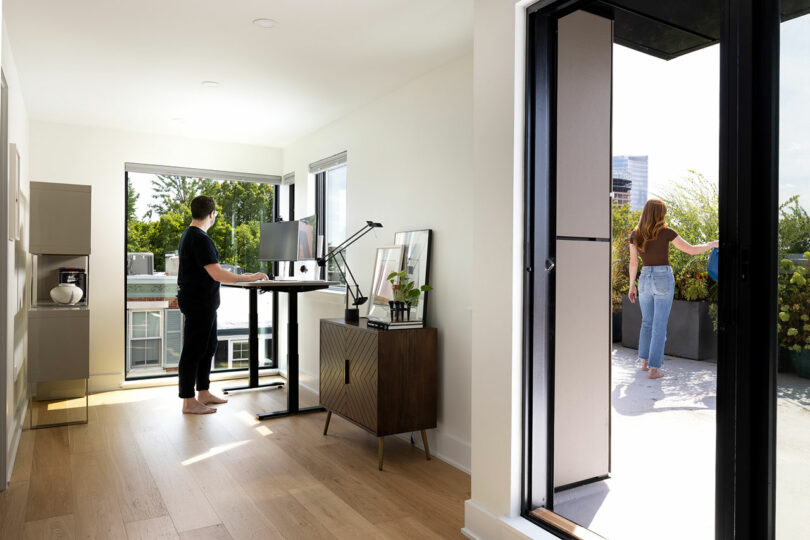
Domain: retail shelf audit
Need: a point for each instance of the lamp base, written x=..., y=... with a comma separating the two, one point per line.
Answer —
x=351, y=315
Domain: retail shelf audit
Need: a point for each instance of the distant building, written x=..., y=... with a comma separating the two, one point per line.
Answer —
x=630, y=181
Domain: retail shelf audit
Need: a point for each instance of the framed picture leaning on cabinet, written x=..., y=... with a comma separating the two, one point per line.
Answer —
x=387, y=261
x=416, y=261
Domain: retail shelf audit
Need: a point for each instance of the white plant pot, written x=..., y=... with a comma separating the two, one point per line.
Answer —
x=66, y=293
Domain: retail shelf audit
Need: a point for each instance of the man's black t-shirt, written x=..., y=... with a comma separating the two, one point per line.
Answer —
x=194, y=285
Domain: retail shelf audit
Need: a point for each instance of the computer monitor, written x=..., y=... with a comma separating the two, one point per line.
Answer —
x=289, y=240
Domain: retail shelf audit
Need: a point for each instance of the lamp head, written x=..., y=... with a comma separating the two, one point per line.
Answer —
x=373, y=224
x=360, y=300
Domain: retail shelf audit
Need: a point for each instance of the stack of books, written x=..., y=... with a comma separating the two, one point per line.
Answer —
x=384, y=324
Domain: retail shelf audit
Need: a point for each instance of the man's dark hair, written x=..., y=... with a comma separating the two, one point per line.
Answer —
x=201, y=206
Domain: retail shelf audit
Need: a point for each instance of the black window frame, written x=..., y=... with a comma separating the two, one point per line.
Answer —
x=748, y=186
x=321, y=210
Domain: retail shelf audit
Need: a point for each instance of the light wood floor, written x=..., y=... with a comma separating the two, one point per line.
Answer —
x=140, y=469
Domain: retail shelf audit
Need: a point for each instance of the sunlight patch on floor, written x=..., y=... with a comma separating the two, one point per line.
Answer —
x=213, y=452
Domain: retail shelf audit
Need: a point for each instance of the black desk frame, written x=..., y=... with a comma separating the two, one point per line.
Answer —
x=292, y=289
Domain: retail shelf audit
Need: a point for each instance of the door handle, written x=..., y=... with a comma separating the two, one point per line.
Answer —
x=549, y=265
x=346, y=372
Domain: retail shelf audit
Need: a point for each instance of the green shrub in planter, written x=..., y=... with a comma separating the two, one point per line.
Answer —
x=793, y=326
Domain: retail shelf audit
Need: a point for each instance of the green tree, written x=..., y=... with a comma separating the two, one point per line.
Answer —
x=171, y=193
x=692, y=210
x=132, y=200
x=794, y=227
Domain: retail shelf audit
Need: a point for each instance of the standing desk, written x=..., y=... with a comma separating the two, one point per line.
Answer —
x=292, y=288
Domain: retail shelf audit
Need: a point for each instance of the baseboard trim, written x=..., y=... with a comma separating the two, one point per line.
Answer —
x=15, y=445
x=481, y=524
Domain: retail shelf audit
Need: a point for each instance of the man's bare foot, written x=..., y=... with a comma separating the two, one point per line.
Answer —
x=644, y=365
x=192, y=406
x=655, y=374
x=206, y=397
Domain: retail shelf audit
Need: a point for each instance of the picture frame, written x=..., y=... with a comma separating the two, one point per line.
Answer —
x=416, y=261
x=387, y=260
x=14, y=193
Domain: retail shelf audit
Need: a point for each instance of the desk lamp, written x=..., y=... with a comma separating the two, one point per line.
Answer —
x=351, y=314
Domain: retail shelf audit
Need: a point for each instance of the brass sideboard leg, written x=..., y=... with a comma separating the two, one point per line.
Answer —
x=380, y=451
x=427, y=448
x=326, y=425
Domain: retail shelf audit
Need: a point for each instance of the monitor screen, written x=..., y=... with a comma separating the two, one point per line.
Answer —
x=288, y=240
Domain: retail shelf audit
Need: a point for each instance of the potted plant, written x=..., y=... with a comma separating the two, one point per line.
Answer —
x=692, y=212
x=624, y=220
x=793, y=327
x=405, y=290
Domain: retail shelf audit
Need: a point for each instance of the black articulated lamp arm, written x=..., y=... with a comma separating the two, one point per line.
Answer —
x=349, y=241
x=339, y=251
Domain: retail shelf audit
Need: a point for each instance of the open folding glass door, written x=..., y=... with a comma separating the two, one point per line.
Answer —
x=582, y=318
x=567, y=287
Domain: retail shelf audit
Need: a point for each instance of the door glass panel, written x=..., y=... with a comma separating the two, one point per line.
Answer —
x=793, y=317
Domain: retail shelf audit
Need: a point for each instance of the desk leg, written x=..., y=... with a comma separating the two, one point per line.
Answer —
x=253, y=346
x=292, y=364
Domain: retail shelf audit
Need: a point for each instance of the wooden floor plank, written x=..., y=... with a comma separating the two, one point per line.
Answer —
x=240, y=517
x=214, y=532
x=12, y=510
x=185, y=501
x=138, y=496
x=50, y=490
x=409, y=528
x=95, y=499
x=336, y=516
x=90, y=437
x=25, y=457
x=160, y=528
x=59, y=527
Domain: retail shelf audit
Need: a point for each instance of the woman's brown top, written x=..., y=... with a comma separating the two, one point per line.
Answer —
x=656, y=252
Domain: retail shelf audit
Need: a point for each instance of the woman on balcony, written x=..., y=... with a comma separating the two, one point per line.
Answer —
x=656, y=286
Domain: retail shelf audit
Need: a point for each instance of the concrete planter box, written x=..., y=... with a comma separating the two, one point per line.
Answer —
x=689, y=332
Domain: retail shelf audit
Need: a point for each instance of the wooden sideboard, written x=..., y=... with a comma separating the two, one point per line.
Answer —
x=384, y=381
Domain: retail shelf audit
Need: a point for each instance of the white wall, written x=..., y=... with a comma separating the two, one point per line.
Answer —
x=493, y=511
x=410, y=166
x=94, y=156
x=15, y=267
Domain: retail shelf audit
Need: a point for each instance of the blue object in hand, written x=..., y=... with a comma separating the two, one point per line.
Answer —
x=714, y=263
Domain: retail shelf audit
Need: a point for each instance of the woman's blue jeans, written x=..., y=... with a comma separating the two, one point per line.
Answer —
x=656, y=288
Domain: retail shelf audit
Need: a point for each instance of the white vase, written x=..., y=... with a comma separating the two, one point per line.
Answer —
x=66, y=293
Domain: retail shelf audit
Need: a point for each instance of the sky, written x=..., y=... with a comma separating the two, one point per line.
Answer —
x=669, y=111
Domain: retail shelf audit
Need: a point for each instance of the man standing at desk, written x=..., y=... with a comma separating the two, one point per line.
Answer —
x=198, y=280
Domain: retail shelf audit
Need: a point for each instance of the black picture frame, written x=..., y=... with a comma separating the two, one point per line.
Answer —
x=423, y=238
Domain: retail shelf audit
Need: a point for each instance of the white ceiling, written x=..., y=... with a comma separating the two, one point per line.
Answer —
x=138, y=64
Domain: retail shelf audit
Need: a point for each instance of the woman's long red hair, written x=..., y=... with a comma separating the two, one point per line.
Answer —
x=651, y=223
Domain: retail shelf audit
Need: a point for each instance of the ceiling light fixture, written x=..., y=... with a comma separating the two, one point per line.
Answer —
x=210, y=84
x=265, y=23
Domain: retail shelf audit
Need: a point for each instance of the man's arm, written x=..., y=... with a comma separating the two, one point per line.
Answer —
x=218, y=273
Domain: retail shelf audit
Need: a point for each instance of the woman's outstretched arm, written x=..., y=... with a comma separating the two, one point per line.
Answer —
x=689, y=249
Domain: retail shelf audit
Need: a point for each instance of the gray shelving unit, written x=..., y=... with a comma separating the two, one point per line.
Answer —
x=58, y=335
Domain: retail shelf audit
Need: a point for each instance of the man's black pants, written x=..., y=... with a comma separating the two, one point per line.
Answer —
x=199, y=347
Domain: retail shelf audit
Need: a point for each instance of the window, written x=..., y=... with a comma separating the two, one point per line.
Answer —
x=157, y=213
x=145, y=339
x=173, y=338
x=330, y=207
x=241, y=353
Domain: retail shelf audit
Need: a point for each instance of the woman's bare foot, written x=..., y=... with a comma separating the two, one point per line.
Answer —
x=206, y=397
x=655, y=373
x=192, y=406
x=644, y=365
